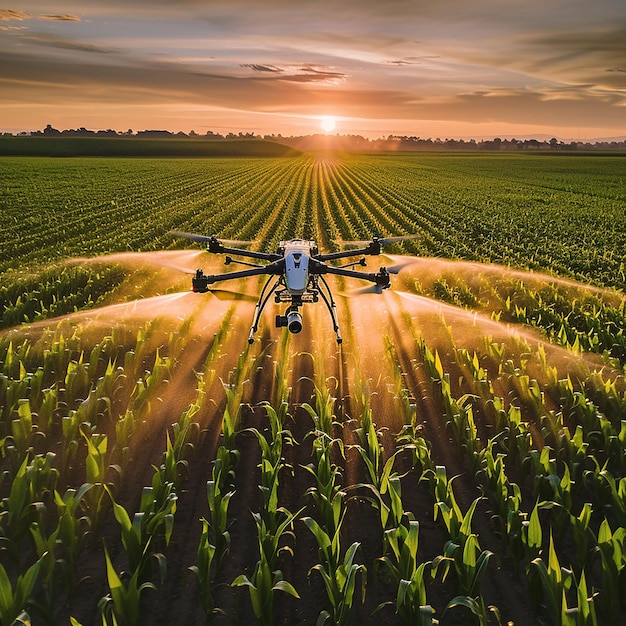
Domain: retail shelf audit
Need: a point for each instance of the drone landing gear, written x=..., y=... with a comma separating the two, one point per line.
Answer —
x=292, y=319
x=332, y=309
x=260, y=305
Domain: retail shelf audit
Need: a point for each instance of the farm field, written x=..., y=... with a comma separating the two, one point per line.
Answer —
x=459, y=457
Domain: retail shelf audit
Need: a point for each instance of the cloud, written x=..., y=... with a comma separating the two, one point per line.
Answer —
x=262, y=68
x=54, y=41
x=6, y=15
x=61, y=18
x=300, y=73
x=411, y=61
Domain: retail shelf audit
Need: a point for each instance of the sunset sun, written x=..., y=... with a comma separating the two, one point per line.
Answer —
x=328, y=124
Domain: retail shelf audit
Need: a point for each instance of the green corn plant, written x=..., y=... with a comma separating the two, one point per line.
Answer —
x=45, y=548
x=46, y=415
x=582, y=533
x=390, y=506
x=584, y=613
x=265, y=581
x=532, y=535
x=205, y=571
x=371, y=451
x=154, y=520
x=186, y=433
x=77, y=381
x=122, y=603
x=218, y=519
x=215, y=538
x=408, y=575
x=550, y=581
x=72, y=529
x=22, y=428
x=271, y=543
x=505, y=496
x=234, y=390
x=262, y=586
x=611, y=547
x=124, y=428
x=322, y=411
x=25, y=504
x=458, y=525
x=94, y=500
x=14, y=599
x=402, y=396
x=617, y=487
x=410, y=439
x=229, y=424
x=470, y=564
x=438, y=482
x=339, y=575
x=327, y=494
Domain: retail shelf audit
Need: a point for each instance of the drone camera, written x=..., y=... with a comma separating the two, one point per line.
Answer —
x=292, y=320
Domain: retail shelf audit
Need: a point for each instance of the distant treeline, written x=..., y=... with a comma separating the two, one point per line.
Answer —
x=76, y=146
x=167, y=143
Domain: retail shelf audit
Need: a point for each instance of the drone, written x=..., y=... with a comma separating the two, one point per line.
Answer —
x=296, y=274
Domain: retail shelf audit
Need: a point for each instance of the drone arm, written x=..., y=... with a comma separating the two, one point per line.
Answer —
x=200, y=282
x=372, y=249
x=381, y=278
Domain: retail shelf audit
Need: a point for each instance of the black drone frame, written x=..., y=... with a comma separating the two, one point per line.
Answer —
x=275, y=284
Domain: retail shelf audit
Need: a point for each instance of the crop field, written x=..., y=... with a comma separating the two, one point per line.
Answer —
x=459, y=459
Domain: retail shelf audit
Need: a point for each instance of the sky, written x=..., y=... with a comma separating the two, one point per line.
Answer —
x=427, y=68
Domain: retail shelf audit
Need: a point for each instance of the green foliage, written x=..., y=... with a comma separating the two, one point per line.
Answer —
x=122, y=603
x=14, y=598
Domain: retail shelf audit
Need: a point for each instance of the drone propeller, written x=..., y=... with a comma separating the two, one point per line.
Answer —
x=363, y=290
x=381, y=240
x=205, y=239
x=225, y=294
x=396, y=269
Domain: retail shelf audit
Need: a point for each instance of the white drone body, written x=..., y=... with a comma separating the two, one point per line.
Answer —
x=297, y=254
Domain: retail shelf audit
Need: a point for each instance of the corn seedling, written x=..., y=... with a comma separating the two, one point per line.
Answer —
x=326, y=494
x=71, y=529
x=153, y=521
x=122, y=603
x=339, y=575
x=611, y=547
x=24, y=504
x=554, y=580
x=408, y=574
x=205, y=570
x=264, y=581
x=218, y=519
x=14, y=599
x=470, y=564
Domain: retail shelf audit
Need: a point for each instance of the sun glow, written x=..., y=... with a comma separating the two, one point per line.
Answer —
x=328, y=124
